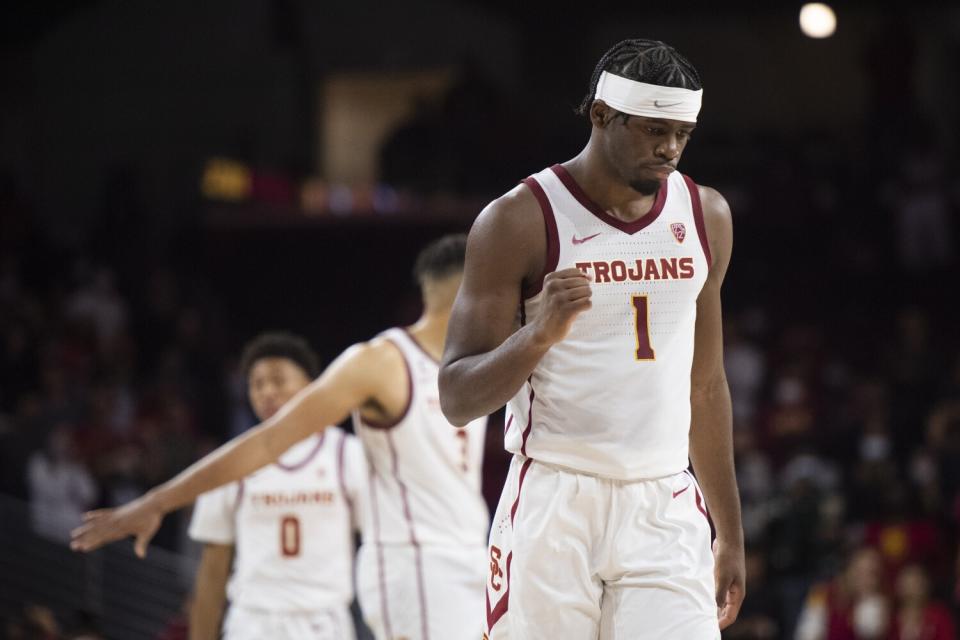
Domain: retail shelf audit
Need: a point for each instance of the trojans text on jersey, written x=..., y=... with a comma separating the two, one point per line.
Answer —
x=639, y=269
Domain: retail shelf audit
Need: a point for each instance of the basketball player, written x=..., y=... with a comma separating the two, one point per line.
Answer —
x=422, y=565
x=290, y=524
x=612, y=379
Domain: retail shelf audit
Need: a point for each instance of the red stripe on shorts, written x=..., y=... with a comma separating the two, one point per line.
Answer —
x=418, y=559
x=526, y=432
x=381, y=569
x=493, y=615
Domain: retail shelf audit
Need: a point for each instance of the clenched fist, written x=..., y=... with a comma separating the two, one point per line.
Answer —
x=566, y=294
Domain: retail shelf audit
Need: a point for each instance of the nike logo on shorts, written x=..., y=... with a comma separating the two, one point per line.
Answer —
x=676, y=493
x=577, y=240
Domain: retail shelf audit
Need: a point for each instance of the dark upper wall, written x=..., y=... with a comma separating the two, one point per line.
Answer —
x=144, y=91
x=139, y=93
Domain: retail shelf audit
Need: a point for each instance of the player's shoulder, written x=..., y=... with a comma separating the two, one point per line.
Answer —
x=718, y=220
x=379, y=354
x=507, y=240
x=513, y=212
x=715, y=207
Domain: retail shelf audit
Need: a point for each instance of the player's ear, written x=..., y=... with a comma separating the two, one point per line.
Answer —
x=600, y=114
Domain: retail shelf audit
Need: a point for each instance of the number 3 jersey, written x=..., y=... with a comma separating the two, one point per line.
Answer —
x=291, y=524
x=424, y=472
x=613, y=398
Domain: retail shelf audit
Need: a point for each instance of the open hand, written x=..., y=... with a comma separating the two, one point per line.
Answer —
x=140, y=518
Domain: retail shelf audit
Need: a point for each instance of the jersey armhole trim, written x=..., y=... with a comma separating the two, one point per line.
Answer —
x=310, y=456
x=403, y=414
x=418, y=345
x=553, y=238
x=698, y=218
x=341, y=472
x=239, y=497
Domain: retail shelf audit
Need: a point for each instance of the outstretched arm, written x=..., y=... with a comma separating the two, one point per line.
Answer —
x=711, y=429
x=347, y=383
x=486, y=358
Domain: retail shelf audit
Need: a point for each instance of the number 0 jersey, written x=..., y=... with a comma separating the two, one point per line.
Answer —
x=613, y=398
x=424, y=472
x=292, y=526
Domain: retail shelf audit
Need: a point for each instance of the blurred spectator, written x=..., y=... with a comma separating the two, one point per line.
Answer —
x=97, y=303
x=943, y=438
x=60, y=488
x=922, y=211
x=790, y=419
x=915, y=366
x=917, y=616
x=35, y=622
x=755, y=480
x=853, y=606
x=745, y=365
x=178, y=627
x=802, y=537
x=902, y=535
x=807, y=466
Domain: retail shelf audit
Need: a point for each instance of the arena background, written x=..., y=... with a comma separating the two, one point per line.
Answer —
x=175, y=177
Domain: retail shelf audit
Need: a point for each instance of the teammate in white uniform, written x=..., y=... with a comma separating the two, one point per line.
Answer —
x=421, y=568
x=423, y=547
x=286, y=530
x=591, y=306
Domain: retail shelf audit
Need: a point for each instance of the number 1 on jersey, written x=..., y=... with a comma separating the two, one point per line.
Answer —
x=641, y=313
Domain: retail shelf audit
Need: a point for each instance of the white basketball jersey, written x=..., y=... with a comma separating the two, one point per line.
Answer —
x=424, y=472
x=613, y=398
x=292, y=526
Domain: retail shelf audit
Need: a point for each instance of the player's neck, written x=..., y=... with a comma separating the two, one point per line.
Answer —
x=602, y=185
x=431, y=331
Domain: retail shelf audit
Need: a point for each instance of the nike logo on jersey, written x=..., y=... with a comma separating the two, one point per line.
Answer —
x=658, y=104
x=577, y=240
x=676, y=493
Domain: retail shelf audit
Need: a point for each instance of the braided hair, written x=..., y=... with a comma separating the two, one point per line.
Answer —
x=650, y=61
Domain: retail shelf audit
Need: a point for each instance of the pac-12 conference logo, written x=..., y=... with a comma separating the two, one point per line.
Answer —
x=679, y=231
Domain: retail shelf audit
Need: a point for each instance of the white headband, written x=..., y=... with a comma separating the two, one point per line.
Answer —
x=650, y=100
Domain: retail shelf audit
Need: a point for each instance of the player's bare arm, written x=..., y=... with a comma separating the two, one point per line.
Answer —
x=487, y=357
x=711, y=431
x=366, y=376
x=210, y=591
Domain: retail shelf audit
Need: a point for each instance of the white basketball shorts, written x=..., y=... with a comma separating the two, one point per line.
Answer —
x=579, y=557
x=334, y=623
x=421, y=593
